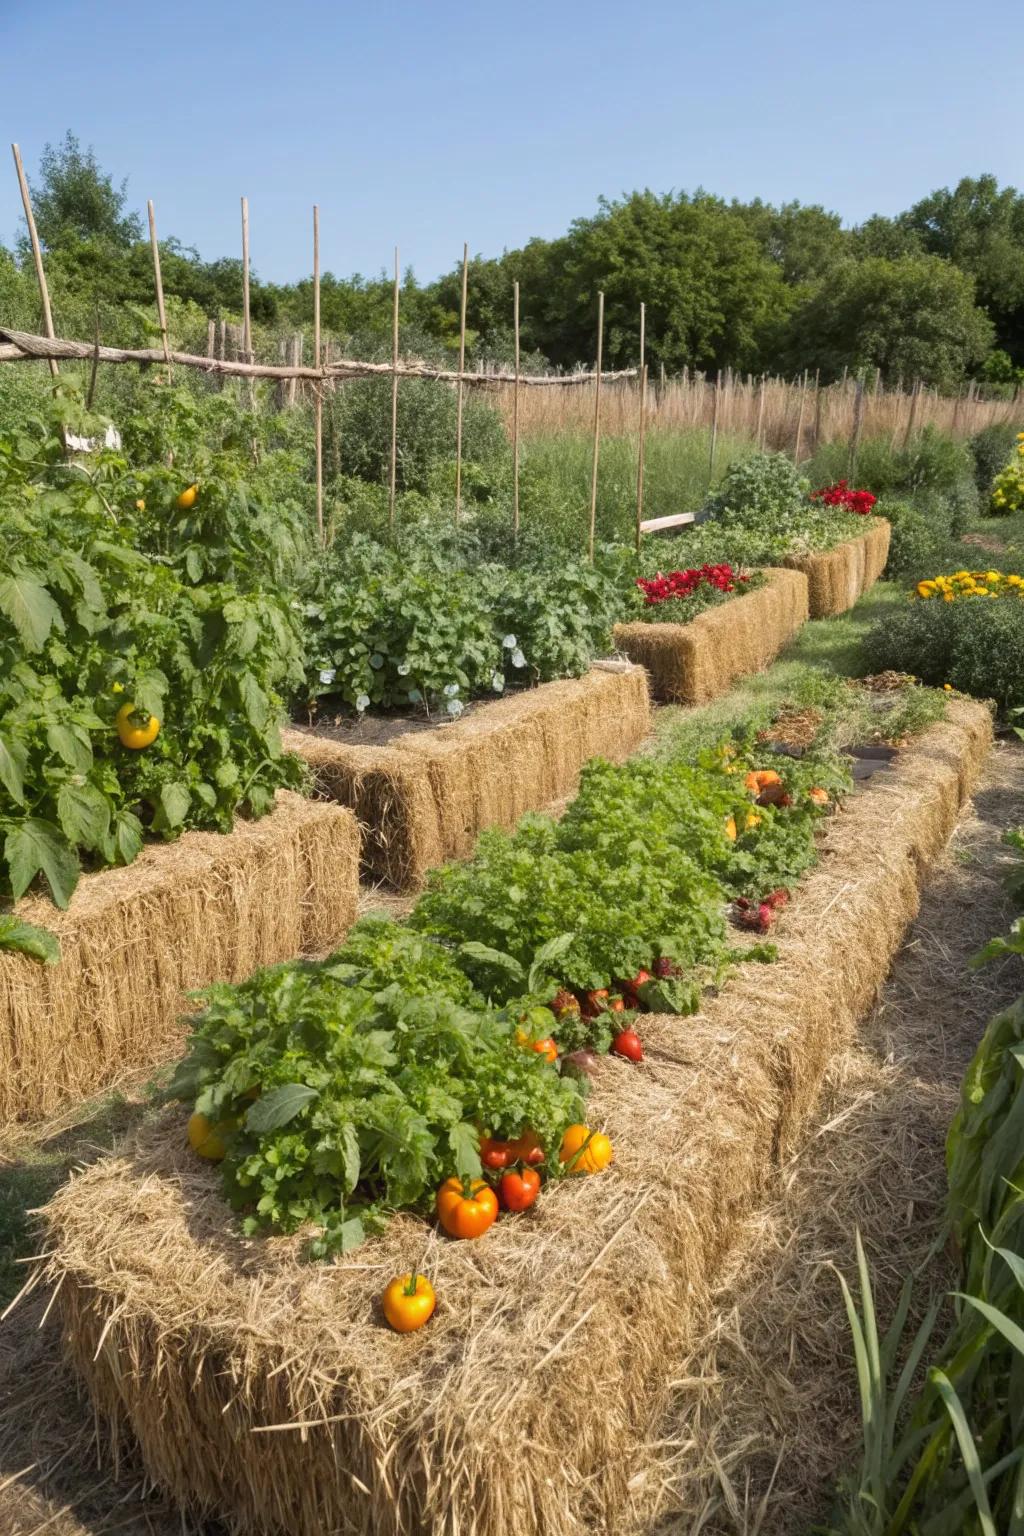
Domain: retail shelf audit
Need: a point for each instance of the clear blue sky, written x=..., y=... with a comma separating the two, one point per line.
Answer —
x=429, y=124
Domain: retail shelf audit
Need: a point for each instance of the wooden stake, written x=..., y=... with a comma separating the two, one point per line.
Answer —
x=37, y=254
x=914, y=394
x=246, y=323
x=154, y=246
x=714, y=427
x=642, y=425
x=800, y=419
x=817, y=407
x=760, y=415
x=394, y=402
x=597, y=424
x=515, y=416
x=858, y=414
x=318, y=408
x=461, y=385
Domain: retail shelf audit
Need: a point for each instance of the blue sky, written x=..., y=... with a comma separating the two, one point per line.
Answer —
x=429, y=124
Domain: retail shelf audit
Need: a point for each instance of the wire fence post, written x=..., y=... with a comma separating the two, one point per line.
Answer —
x=597, y=425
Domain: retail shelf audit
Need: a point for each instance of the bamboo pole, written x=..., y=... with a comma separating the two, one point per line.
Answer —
x=318, y=405
x=461, y=385
x=858, y=416
x=37, y=254
x=642, y=425
x=597, y=424
x=714, y=426
x=246, y=321
x=515, y=416
x=158, y=279
x=800, y=419
x=760, y=416
x=394, y=403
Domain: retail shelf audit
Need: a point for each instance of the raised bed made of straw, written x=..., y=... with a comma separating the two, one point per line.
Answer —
x=267, y=1393
x=209, y=907
x=838, y=577
x=424, y=798
x=692, y=663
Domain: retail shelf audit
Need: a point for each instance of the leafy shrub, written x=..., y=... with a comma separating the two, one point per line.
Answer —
x=402, y=626
x=89, y=623
x=1008, y=486
x=762, y=491
x=426, y=437
x=920, y=539
x=976, y=646
x=990, y=449
x=374, y=1077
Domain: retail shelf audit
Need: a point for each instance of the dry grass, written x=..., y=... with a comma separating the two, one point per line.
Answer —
x=765, y=1415
x=695, y=662
x=838, y=577
x=818, y=416
x=425, y=797
x=190, y=1337
x=135, y=940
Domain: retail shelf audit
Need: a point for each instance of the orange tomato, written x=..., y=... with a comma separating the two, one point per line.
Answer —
x=585, y=1151
x=466, y=1207
x=188, y=498
x=132, y=732
x=760, y=779
x=408, y=1302
x=818, y=795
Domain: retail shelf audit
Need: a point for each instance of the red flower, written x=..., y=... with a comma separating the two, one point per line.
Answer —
x=682, y=584
x=840, y=495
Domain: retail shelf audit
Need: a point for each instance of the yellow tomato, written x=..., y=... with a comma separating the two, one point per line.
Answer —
x=205, y=1138
x=585, y=1150
x=132, y=732
x=730, y=828
x=188, y=498
x=140, y=505
x=408, y=1302
x=753, y=820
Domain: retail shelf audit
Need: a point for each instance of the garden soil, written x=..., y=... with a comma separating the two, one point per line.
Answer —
x=265, y=1392
x=425, y=797
x=696, y=662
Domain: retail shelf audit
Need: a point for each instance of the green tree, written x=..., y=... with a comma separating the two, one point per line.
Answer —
x=74, y=201
x=914, y=316
x=980, y=228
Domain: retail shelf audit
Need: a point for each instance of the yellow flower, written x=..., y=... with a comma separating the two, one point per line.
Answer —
x=993, y=576
x=118, y=688
x=948, y=687
x=947, y=597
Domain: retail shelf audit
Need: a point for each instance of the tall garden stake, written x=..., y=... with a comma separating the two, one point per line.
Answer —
x=462, y=383
x=37, y=255
x=597, y=423
x=318, y=399
x=641, y=427
x=515, y=417
x=394, y=404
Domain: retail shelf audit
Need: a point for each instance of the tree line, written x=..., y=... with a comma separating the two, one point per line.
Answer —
x=935, y=293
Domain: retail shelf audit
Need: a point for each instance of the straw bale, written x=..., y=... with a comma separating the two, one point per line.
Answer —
x=424, y=798
x=209, y=907
x=839, y=576
x=267, y=1394
x=692, y=663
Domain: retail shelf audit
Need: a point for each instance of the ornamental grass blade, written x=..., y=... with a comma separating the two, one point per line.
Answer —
x=910, y=1367
x=968, y=1450
x=1010, y=1330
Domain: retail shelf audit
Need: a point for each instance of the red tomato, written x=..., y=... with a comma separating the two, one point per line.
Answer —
x=519, y=1188
x=628, y=1044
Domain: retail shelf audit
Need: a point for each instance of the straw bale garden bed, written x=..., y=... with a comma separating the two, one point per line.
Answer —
x=262, y=1388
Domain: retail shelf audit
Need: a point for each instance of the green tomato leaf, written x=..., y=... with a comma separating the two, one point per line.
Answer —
x=175, y=801
x=37, y=847
x=28, y=939
x=70, y=746
x=84, y=814
x=30, y=608
x=464, y=1140
x=13, y=762
x=276, y=1108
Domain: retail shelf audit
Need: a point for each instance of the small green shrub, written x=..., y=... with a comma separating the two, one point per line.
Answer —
x=990, y=449
x=426, y=437
x=976, y=646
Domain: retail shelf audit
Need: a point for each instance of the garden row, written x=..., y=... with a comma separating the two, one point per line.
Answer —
x=264, y=1389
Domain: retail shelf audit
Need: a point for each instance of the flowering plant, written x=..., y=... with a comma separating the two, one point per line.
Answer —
x=699, y=587
x=1008, y=486
x=840, y=495
x=970, y=584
